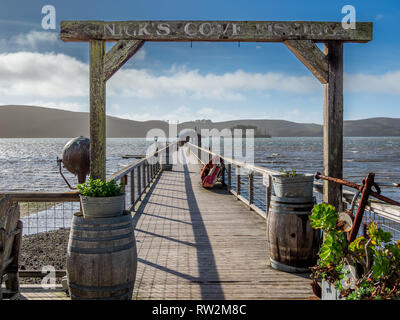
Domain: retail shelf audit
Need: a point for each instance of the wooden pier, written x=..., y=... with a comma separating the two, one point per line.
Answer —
x=194, y=243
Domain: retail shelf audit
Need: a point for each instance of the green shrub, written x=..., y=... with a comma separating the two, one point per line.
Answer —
x=99, y=188
x=289, y=173
x=374, y=254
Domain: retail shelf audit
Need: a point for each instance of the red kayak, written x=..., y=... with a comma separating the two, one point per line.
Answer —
x=211, y=172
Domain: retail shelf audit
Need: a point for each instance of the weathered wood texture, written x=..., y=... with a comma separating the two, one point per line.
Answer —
x=333, y=123
x=195, y=243
x=120, y=53
x=97, y=110
x=292, y=240
x=262, y=31
x=10, y=244
x=311, y=56
x=101, y=258
x=72, y=196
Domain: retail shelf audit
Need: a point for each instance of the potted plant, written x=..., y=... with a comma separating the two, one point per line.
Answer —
x=290, y=184
x=101, y=199
x=367, y=268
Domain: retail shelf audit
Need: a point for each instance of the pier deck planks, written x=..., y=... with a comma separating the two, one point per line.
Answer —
x=204, y=244
x=195, y=243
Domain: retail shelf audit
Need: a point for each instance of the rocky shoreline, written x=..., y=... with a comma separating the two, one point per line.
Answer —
x=43, y=249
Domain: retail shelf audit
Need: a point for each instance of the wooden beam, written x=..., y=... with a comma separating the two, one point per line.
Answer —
x=120, y=53
x=97, y=111
x=42, y=196
x=333, y=123
x=245, y=31
x=310, y=55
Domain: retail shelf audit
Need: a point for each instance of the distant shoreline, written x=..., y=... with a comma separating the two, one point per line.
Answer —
x=39, y=122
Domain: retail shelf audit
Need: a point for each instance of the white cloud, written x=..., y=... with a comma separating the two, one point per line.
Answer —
x=42, y=75
x=30, y=41
x=231, y=86
x=388, y=82
x=34, y=39
x=61, y=81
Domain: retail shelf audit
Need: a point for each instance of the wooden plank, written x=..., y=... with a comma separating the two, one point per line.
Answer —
x=310, y=55
x=120, y=53
x=42, y=196
x=132, y=179
x=97, y=111
x=245, y=31
x=195, y=243
x=333, y=124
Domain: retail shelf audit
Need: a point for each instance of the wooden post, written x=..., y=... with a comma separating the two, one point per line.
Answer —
x=133, y=186
x=251, y=187
x=148, y=173
x=97, y=111
x=199, y=145
x=167, y=154
x=144, y=176
x=229, y=177
x=139, y=187
x=237, y=180
x=333, y=123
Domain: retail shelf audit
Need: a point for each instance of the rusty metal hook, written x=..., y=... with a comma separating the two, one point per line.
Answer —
x=59, y=161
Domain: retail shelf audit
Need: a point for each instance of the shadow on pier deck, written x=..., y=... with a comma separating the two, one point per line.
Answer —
x=195, y=243
x=199, y=244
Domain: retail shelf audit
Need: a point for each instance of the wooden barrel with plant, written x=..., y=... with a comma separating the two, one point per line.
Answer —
x=293, y=243
x=101, y=258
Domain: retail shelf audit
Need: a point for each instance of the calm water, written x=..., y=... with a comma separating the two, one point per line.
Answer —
x=30, y=164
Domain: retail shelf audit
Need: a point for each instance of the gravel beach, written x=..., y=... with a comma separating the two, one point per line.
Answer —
x=43, y=249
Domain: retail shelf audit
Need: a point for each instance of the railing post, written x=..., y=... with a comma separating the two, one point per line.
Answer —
x=139, y=181
x=144, y=176
x=133, y=186
x=251, y=188
x=199, y=145
x=124, y=181
x=229, y=177
x=167, y=154
x=237, y=180
x=148, y=173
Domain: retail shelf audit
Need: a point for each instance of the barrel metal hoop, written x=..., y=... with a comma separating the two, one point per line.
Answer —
x=77, y=227
x=117, y=287
x=92, y=221
x=117, y=297
x=284, y=267
x=117, y=237
x=308, y=212
x=292, y=200
x=102, y=250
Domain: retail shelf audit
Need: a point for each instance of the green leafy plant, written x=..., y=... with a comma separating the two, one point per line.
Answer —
x=289, y=173
x=99, y=188
x=374, y=256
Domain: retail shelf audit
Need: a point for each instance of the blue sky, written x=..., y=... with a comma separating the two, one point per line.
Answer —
x=219, y=81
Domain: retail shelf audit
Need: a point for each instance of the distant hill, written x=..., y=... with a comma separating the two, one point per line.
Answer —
x=38, y=122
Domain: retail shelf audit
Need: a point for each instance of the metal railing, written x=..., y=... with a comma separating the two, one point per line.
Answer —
x=249, y=183
x=386, y=216
x=249, y=187
x=42, y=212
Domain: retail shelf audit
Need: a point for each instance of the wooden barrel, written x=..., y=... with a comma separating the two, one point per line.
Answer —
x=101, y=258
x=293, y=243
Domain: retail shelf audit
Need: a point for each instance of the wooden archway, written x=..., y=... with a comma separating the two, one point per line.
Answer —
x=299, y=37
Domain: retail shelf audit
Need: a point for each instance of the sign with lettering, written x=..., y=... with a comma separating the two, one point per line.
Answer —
x=263, y=31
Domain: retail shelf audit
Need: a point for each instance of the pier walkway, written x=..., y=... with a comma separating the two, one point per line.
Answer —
x=195, y=243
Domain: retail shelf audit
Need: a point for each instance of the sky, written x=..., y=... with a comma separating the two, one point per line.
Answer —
x=181, y=82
